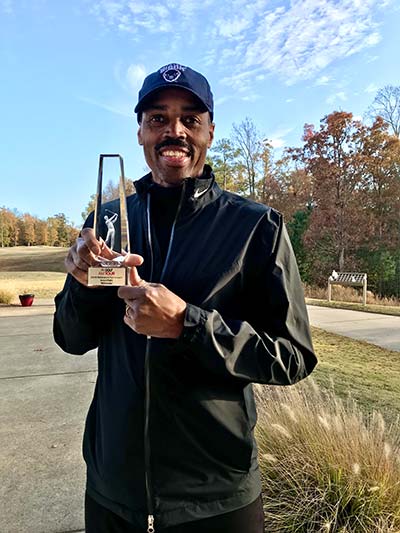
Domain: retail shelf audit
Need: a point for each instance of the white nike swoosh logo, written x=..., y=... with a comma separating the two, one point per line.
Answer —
x=198, y=193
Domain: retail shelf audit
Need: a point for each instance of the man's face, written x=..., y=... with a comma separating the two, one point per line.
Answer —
x=175, y=135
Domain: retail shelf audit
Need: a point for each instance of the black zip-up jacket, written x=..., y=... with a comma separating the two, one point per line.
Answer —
x=169, y=432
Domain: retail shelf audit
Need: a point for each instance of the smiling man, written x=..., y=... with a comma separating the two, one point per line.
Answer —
x=175, y=132
x=214, y=304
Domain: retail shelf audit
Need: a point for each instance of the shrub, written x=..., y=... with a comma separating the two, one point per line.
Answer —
x=6, y=297
x=325, y=466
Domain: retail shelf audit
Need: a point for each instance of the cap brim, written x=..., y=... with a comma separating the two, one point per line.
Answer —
x=145, y=99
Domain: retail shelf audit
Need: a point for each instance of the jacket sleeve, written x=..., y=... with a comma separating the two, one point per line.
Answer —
x=81, y=314
x=273, y=345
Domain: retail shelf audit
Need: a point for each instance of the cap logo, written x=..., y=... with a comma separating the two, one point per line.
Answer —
x=172, y=72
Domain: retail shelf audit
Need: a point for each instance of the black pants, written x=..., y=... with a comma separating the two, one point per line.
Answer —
x=249, y=519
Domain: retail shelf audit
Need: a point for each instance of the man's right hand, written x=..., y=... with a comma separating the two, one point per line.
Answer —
x=84, y=253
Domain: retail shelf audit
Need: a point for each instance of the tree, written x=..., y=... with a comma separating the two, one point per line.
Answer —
x=293, y=186
x=27, y=230
x=62, y=229
x=41, y=233
x=331, y=156
x=224, y=161
x=247, y=141
x=267, y=187
x=297, y=228
x=9, y=229
x=52, y=233
x=387, y=105
x=380, y=159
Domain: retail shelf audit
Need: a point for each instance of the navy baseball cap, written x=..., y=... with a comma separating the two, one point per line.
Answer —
x=174, y=75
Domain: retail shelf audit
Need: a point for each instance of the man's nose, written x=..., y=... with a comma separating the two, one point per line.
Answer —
x=175, y=128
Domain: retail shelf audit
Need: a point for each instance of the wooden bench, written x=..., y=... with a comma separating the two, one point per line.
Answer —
x=348, y=279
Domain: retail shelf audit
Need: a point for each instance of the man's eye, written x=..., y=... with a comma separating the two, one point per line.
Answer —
x=190, y=120
x=156, y=119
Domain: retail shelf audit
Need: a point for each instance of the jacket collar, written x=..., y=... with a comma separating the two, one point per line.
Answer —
x=197, y=190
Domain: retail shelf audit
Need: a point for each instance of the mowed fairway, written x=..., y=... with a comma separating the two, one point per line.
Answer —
x=32, y=269
x=32, y=259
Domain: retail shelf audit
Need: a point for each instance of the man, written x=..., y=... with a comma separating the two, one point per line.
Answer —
x=215, y=303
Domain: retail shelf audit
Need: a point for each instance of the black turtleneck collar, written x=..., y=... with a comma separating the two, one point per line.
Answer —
x=195, y=187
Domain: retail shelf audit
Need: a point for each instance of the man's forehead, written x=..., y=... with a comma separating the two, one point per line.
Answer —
x=169, y=96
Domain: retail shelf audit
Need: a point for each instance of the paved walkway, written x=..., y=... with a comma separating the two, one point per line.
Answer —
x=44, y=397
x=382, y=330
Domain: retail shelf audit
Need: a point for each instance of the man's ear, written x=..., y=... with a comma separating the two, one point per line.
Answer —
x=211, y=134
x=139, y=135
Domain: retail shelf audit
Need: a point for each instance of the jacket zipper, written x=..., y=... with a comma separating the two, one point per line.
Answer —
x=147, y=449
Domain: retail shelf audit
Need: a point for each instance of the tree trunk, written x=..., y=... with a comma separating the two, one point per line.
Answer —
x=341, y=259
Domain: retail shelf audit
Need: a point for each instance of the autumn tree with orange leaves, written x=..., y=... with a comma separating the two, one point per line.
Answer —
x=331, y=156
x=354, y=170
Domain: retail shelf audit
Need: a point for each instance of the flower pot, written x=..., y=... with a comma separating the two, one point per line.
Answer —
x=26, y=299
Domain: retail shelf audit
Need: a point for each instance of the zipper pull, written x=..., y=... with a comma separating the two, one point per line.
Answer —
x=150, y=524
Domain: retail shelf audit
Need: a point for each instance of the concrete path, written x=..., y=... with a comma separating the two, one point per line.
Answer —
x=44, y=397
x=382, y=330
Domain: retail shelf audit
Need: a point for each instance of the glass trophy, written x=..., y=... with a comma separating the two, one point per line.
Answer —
x=111, y=227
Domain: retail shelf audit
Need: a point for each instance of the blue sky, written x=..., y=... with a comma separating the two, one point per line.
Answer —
x=71, y=70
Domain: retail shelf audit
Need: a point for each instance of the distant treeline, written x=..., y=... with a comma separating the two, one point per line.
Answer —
x=18, y=229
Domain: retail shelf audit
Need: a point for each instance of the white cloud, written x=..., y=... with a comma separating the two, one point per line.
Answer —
x=135, y=75
x=293, y=40
x=130, y=77
x=373, y=39
x=323, y=80
x=336, y=97
x=371, y=88
x=277, y=137
x=299, y=40
x=232, y=28
x=133, y=16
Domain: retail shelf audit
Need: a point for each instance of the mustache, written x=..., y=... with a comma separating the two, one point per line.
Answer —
x=174, y=142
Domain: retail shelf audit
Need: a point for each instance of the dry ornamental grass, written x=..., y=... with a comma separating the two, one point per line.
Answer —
x=325, y=466
x=348, y=294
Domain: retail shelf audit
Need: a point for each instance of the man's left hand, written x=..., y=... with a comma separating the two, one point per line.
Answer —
x=153, y=310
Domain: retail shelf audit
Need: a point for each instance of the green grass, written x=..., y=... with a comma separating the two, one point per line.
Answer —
x=369, y=373
x=32, y=259
x=369, y=308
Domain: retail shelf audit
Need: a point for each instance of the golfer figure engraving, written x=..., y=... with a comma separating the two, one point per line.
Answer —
x=110, y=224
x=110, y=237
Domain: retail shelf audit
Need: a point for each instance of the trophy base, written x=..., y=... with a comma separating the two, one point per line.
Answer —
x=108, y=274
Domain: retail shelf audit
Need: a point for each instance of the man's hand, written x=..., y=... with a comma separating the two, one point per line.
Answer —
x=84, y=253
x=152, y=309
